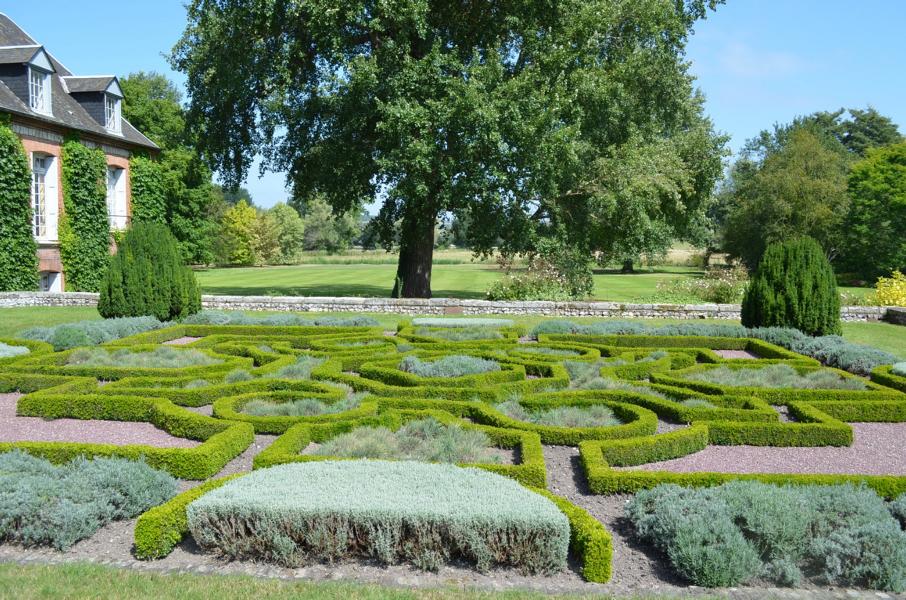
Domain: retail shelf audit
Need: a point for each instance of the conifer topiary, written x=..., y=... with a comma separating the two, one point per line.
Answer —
x=147, y=277
x=794, y=286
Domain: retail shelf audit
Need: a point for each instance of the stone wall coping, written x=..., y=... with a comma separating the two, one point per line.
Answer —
x=450, y=306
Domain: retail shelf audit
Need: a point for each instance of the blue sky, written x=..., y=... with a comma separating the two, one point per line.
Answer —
x=757, y=61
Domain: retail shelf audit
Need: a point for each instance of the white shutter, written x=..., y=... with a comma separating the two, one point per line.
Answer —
x=121, y=199
x=52, y=198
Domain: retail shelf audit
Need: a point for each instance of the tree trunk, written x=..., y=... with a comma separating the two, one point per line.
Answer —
x=627, y=266
x=413, y=271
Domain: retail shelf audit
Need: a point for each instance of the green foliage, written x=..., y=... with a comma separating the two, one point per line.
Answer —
x=90, y=333
x=154, y=105
x=306, y=407
x=84, y=229
x=43, y=504
x=163, y=357
x=562, y=416
x=149, y=199
x=238, y=231
x=455, y=365
x=18, y=258
x=794, y=286
x=158, y=530
x=290, y=233
x=720, y=285
x=510, y=121
x=324, y=230
x=788, y=185
x=778, y=376
x=301, y=369
x=418, y=513
x=875, y=244
x=722, y=536
x=222, y=317
x=424, y=440
x=147, y=277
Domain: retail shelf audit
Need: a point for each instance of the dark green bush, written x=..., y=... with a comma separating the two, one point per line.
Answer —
x=147, y=277
x=794, y=286
x=18, y=261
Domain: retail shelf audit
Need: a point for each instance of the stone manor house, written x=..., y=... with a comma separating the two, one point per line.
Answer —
x=46, y=102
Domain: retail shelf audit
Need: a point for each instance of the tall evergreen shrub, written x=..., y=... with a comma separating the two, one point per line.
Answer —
x=147, y=277
x=794, y=286
x=18, y=261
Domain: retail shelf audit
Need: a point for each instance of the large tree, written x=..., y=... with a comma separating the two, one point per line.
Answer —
x=791, y=189
x=526, y=118
x=153, y=105
x=875, y=229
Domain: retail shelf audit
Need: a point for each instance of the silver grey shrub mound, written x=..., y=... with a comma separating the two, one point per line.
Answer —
x=743, y=530
x=461, y=322
x=91, y=333
x=424, y=514
x=7, y=351
x=454, y=365
x=48, y=505
x=899, y=369
x=778, y=376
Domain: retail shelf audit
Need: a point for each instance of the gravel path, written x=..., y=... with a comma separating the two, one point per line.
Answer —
x=120, y=433
x=877, y=450
x=735, y=354
x=182, y=341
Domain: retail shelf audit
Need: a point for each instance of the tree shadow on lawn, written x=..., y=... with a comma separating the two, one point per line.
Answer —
x=354, y=290
x=689, y=271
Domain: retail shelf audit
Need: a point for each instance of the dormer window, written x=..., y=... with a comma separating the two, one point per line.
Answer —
x=112, y=113
x=39, y=90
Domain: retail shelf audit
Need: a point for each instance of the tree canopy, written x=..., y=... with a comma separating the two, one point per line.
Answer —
x=527, y=118
x=153, y=105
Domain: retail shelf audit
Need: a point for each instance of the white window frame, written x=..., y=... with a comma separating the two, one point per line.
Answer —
x=40, y=88
x=113, y=117
x=44, y=198
x=117, y=211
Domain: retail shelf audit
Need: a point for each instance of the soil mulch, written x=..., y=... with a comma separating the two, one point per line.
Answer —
x=119, y=433
x=877, y=450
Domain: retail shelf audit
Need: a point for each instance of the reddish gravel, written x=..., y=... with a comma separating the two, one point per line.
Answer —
x=877, y=450
x=735, y=354
x=118, y=433
x=182, y=341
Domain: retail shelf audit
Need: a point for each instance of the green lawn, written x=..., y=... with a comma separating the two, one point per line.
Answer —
x=12, y=320
x=76, y=581
x=448, y=281
x=376, y=280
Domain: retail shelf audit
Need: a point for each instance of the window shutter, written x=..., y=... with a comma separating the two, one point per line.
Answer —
x=52, y=199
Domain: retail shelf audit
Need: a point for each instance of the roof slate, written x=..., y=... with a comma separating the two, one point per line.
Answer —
x=88, y=84
x=67, y=112
x=17, y=54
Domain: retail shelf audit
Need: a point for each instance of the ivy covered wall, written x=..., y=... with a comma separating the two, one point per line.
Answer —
x=149, y=199
x=84, y=229
x=18, y=259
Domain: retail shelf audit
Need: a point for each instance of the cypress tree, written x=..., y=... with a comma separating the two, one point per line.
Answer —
x=147, y=277
x=794, y=286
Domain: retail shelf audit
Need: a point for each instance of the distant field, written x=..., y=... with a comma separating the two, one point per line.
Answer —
x=448, y=281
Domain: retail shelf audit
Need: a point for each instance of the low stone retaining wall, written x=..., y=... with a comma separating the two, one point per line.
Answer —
x=451, y=306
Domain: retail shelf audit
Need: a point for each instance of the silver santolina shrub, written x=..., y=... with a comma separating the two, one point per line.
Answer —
x=426, y=514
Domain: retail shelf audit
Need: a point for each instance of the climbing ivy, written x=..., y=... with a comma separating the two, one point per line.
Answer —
x=149, y=200
x=84, y=229
x=18, y=261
